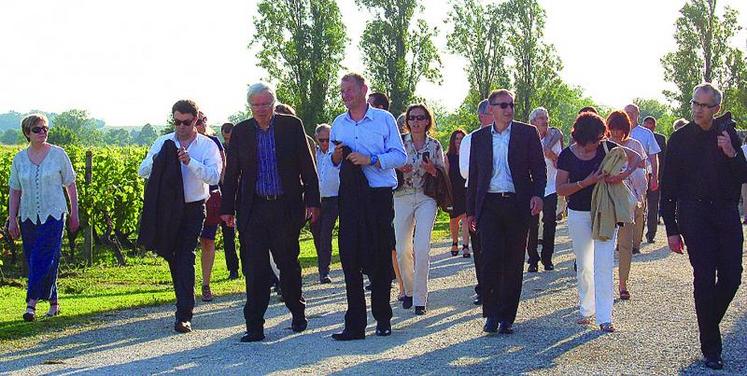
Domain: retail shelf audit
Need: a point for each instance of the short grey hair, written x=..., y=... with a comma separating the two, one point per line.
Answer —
x=537, y=112
x=258, y=88
x=711, y=88
x=482, y=108
x=322, y=127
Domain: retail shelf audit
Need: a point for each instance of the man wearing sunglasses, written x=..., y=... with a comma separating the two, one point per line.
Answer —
x=704, y=169
x=200, y=167
x=506, y=184
x=329, y=184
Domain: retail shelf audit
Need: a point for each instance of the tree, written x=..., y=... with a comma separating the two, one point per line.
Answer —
x=398, y=54
x=11, y=137
x=660, y=111
x=703, y=53
x=535, y=62
x=478, y=37
x=146, y=136
x=62, y=136
x=86, y=128
x=303, y=43
x=118, y=137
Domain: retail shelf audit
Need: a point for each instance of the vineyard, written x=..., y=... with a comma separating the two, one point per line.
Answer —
x=109, y=197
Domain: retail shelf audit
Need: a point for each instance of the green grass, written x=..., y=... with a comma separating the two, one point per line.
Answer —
x=87, y=292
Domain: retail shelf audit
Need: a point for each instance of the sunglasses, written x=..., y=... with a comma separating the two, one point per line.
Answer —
x=417, y=117
x=40, y=129
x=178, y=122
x=503, y=105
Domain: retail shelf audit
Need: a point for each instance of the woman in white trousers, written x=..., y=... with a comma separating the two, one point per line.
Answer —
x=415, y=212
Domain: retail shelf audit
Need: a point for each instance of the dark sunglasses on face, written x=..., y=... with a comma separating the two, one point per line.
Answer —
x=503, y=105
x=417, y=117
x=40, y=129
x=178, y=122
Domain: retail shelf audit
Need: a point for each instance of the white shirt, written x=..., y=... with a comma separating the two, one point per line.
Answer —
x=552, y=172
x=329, y=175
x=501, y=181
x=637, y=182
x=647, y=139
x=202, y=171
x=464, y=151
x=42, y=185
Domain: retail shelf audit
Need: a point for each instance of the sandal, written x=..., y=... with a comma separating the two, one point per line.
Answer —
x=30, y=314
x=607, y=327
x=624, y=294
x=454, y=248
x=465, y=251
x=54, y=310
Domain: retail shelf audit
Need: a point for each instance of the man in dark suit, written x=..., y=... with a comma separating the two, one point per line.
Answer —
x=271, y=185
x=652, y=196
x=507, y=182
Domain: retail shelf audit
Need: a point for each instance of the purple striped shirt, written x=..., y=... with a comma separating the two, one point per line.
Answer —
x=268, y=177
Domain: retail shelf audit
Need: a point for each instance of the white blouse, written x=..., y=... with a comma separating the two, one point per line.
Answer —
x=42, y=185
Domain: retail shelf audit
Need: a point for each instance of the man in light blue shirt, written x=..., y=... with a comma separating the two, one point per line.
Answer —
x=329, y=184
x=376, y=147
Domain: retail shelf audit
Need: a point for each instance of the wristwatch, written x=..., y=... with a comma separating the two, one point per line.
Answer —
x=374, y=159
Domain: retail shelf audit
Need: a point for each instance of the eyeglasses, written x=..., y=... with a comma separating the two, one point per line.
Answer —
x=178, y=122
x=417, y=117
x=503, y=105
x=322, y=140
x=40, y=129
x=695, y=103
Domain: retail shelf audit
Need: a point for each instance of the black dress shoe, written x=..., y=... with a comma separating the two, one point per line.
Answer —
x=491, y=325
x=420, y=310
x=549, y=266
x=299, y=324
x=383, y=330
x=233, y=274
x=477, y=300
x=325, y=279
x=183, y=327
x=349, y=336
x=650, y=240
x=407, y=302
x=714, y=362
x=505, y=328
x=253, y=336
x=532, y=268
x=636, y=251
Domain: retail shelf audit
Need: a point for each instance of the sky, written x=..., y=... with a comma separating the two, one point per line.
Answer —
x=127, y=62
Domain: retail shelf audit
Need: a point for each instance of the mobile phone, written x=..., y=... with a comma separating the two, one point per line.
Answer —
x=426, y=156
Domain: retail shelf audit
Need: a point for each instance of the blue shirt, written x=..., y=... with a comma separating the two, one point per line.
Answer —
x=268, y=177
x=375, y=134
x=501, y=181
x=329, y=175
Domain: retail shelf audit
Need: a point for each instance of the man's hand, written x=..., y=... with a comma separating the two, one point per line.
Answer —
x=549, y=154
x=406, y=168
x=675, y=243
x=312, y=214
x=471, y=223
x=359, y=159
x=74, y=224
x=337, y=154
x=653, y=184
x=229, y=220
x=183, y=155
x=535, y=205
x=724, y=142
x=13, y=229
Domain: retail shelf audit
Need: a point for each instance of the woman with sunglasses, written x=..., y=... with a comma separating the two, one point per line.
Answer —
x=414, y=211
x=38, y=176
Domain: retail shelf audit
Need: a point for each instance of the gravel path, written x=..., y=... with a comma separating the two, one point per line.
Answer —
x=657, y=332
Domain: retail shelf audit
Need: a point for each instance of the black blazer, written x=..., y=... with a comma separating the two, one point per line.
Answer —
x=295, y=166
x=525, y=160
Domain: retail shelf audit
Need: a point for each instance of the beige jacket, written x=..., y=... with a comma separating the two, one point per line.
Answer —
x=611, y=203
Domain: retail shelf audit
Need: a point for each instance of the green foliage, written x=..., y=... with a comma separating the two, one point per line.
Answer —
x=303, y=43
x=660, y=111
x=12, y=137
x=62, y=136
x=82, y=125
x=397, y=53
x=118, y=137
x=146, y=136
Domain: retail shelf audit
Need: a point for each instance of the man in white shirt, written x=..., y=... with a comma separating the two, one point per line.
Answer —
x=486, y=118
x=200, y=168
x=329, y=184
x=647, y=139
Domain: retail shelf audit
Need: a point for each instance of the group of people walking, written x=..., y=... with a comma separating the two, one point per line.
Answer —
x=385, y=182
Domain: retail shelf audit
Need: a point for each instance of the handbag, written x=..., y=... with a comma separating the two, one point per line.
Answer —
x=213, y=209
x=439, y=188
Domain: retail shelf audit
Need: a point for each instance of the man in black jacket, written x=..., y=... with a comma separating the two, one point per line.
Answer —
x=271, y=186
x=652, y=196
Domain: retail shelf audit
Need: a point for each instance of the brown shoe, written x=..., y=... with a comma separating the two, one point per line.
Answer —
x=183, y=327
x=207, y=295
x=624, y=295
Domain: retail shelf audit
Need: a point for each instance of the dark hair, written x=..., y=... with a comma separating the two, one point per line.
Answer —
x=185, y=106
x=588, y=109
x=619, y=120
x=226, y=127
x=452, y=141
x=496, y=93
x=380, y=100
x=282, y=108
x=650, y=118
x=428, y=114
x=588, y=127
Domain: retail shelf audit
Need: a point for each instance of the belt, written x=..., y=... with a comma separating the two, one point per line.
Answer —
x=269, y=197
x=502, y=194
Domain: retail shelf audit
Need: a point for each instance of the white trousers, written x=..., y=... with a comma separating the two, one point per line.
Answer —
x=595, y=261
x=414, y=213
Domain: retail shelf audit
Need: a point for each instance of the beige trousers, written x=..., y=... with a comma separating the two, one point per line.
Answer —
x=626, y=240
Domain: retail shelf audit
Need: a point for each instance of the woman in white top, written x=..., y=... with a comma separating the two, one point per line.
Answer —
x=618, y=124
x=414, y=211
x=38, y=176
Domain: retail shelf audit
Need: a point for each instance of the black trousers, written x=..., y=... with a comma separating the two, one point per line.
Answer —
x=229, y=247
x=503, y=236
x=714, y=240
x=380, y=200
x=182, y=267
x=269, y=230
x=477, y=257
x=652, y=217
x=322, y=232
x=549, y=222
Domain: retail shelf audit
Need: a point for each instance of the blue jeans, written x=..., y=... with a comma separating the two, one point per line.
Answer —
x=42, y=247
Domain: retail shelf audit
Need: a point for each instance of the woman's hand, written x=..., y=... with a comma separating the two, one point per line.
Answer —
x=429, y=167
x=74, y=224
x=13, y=230
x=593, y=178
x=616, y=179
x=406, y=168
